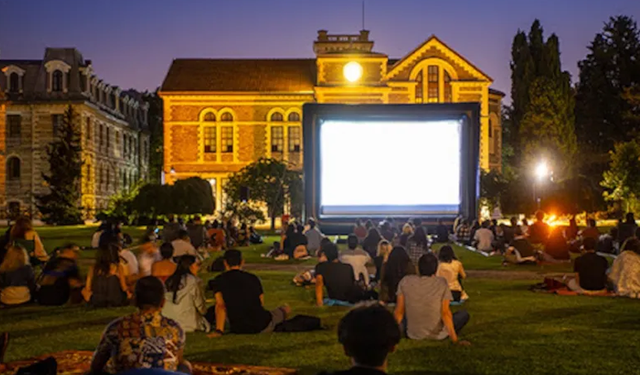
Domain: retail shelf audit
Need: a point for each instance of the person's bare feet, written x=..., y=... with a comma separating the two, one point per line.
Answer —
x=287, y=310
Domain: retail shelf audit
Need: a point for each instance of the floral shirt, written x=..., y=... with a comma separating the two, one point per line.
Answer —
x=142, y=341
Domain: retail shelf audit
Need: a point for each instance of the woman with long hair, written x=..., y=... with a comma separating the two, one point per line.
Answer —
x=625, y=271
x=165, y=267
x=417, y=245
x=452, y=270
x=407, y=231
x=384, y=248
x=17, y=279
x=185, y=302
x=398, y=265
x=23, y=234
x=370, y=243
x=107, y=279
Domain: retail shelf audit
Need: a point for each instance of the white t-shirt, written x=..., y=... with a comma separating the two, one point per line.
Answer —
x=358, y=260
x=132, y=262
x=146, y=260
x=181, y=247
x=484, y=237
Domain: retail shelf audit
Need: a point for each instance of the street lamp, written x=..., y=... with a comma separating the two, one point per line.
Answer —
x=541, y=172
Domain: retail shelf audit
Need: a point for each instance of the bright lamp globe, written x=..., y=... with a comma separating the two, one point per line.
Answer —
x=352, y=71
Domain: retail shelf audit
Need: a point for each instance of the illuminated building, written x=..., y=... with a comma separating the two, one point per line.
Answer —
x=221, y=114
x=112, y=123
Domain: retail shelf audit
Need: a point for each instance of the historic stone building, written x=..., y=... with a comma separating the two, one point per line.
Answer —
x=112, y=122
x=221, y=114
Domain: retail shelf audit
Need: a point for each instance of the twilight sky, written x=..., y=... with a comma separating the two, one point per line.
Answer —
x=132, y=42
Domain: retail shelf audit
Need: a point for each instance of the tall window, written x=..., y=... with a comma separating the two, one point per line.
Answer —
x=101, y=136
x=100, y=177
x=56, y=122
x=226, y=117
x=294, y=117
x=14, y=126
x=125, y=145
x=277, y=139
x=210, y=117
x=14, y=82
x=433, y=81
x=13, y=168
x=144, y=150
x=108, y=137
x=226, y=139
x=89, y=173
x=108, y=177
x=56, y=81
x=276, y=117
x=209, y=140
x=294, y=139
x=419, y=87
x=447, y=87
x=88, y=126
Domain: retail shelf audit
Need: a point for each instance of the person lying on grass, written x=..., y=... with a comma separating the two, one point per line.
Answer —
x=368, y=348
x=240, y=297
x=423, y=302
x=144, y=339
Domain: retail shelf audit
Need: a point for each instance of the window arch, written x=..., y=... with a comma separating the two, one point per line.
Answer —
x=433, y=77
x=14, y=82
x=293, y=117
x=227, y=116
x=56, y=81
x=276, y=117
x=209, y=116
x=13, y=168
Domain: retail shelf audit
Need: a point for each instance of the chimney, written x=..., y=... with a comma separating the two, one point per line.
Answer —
x=364, y=35
x=322, y=35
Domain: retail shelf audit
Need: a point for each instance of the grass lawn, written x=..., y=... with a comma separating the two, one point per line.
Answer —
x=512, y=330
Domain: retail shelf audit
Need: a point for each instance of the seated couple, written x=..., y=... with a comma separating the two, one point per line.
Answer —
x=240, y=299
x=521, y=250
x=338, y=278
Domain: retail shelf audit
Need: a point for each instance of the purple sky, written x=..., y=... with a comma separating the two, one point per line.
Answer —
x=132, y=42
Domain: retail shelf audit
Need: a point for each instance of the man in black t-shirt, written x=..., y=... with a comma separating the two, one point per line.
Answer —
x=336, y=277
x=368, y=348
x=239, y=296
x=61, y=279
x=590, y=269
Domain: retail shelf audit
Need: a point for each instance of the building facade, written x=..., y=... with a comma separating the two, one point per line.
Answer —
x=112, y=122
x=221, y=114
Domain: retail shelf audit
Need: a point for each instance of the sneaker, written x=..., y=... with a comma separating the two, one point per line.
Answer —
x=4, y=343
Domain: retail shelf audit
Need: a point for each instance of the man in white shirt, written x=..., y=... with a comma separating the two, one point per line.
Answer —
x=357, y=258
x=182, y=245
x=130, y=262
x=483, y=238
x=314, y=237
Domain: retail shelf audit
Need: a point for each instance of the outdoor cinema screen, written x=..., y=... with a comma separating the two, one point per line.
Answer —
x=390, y=167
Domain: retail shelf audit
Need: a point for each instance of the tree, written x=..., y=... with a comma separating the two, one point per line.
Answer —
x=269, y=182
x=492, y=186
x=622, y=179
x=61, y=205
x=611, y=67
x=156, y=128
x=190, y=196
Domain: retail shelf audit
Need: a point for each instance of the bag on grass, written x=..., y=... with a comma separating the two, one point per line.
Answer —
x=299, y=323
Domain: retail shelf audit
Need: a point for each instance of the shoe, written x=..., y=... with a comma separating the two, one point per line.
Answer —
x=4, y=343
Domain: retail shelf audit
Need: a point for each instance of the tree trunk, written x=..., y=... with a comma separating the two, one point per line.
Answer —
x=273, y=222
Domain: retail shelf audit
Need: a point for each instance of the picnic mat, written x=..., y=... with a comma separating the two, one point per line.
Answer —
x=78, y=362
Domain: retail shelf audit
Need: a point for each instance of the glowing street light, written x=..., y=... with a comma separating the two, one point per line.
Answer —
x=352, y=71
x=542, y=170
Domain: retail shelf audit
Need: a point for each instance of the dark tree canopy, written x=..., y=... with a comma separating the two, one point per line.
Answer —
x=156, y=144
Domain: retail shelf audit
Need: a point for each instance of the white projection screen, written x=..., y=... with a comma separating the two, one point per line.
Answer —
x=373, y=167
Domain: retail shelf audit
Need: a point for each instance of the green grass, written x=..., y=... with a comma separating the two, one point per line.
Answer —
x=512, y=330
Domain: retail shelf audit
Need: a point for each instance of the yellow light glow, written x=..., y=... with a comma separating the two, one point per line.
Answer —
x=352, y=71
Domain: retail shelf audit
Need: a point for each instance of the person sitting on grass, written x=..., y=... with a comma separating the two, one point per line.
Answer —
x=556, y=247
x=182, y=245
x=423, y=301
x=357, y=258
x=368, y=348
x=165, y=267
x=417, y=245
x=483, y=239
x=185, y=302
x=314, y=237
x=149, y=255
x=216, y=235
x=23, y=235
x=591, y=231
x=625, y=271
x=590, y=270
x=197, y=233
x=60, y=280
x=451, y=269
x=463, y=232
x=144, y=339
x=370, y=243
x=337, y=277
x=539, y=231
x=240, y=298
x=294, y=238
x=107, y=279
x=397, y=266
x=520, y=250
x=407, y=231
x=384, y=249
x=626, y=229
x=360, y=230
x=17, y=279
x=442, y=232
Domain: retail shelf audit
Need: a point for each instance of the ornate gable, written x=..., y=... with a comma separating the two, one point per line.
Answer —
x=435, y=48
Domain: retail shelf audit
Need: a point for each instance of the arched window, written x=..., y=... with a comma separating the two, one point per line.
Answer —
x=294, y=117
x=209, y=116
x=13, y=168
x=226, y=117
x=56, y=81
x=14, y=82
x=276, y=117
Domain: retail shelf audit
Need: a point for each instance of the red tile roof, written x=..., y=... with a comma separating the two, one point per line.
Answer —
x=228, y=75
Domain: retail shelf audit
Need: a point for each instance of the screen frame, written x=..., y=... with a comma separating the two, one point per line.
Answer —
x=315, y=114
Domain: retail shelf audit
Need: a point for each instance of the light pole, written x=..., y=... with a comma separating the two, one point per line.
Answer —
x=541, y=172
